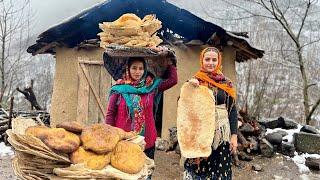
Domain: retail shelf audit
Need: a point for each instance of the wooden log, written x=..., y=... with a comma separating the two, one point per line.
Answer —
x=242, y=140
x=30, y=96
x=10, y=112
x=236, y=159
x=4, y=122
x=4, y=128
x=254, y=145
x=5, y=112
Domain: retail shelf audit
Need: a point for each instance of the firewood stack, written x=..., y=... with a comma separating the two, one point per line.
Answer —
x=130, y=30
x=250, y=132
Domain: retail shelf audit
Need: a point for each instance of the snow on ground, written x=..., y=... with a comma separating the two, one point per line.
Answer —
x=300, y=161
x=5, y=150
x=290, y=132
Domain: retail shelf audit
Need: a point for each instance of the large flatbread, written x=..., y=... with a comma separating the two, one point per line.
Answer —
x=195, y=121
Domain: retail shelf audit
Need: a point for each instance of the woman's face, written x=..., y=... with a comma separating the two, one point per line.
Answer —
x=136, y=70
x=210, y=61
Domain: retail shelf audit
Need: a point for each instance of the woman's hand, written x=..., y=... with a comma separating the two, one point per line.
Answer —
x=233, y=143
x=194, y=82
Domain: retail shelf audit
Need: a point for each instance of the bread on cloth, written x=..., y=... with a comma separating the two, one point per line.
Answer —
x=128, y=157
x=90, y=159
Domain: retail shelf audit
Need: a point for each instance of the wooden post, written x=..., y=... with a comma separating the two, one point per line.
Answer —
x=10, y=112
x=31, y=86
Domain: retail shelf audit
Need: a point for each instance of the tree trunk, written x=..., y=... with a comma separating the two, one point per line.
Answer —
x=305, y=84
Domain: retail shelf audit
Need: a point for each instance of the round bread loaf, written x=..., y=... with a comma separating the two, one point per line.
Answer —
x=128, y=157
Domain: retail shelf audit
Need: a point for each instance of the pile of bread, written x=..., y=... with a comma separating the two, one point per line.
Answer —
x=130, y=30
x=72, y=150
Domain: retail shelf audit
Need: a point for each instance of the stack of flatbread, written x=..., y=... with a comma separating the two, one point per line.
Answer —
x=74, y=151
x=33, y=159
x=130, y=30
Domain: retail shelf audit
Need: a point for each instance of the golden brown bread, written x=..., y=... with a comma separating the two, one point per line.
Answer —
x=37, y=131
x=90, y=159
x=55, y=138
x=195, y=124
x=72, y=126
x=128, y=157
x=102, y=138
x=99, y=138
x=62, y=141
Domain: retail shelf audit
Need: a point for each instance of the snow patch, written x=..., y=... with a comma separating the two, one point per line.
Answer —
x=290, y=132
x=5, y=150
x=300, y=161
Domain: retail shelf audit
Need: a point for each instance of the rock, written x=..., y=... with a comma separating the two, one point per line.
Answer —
x=288, y=149
x=281, y=122
x=269, y=123
x=290, y=124
x=177, y=149
x=313, y=163
x=162, y=144
x=256, y=167
x=282, y=132
x=309, y=129
x=307, y=142
x=173, y=138
x=246, y=128
x=274, y=138
x=244, y=157
x=266, y=148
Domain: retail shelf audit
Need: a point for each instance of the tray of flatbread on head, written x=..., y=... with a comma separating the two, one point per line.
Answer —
x=195, y=121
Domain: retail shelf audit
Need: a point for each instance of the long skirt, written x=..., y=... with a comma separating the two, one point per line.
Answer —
x=216, y=166
x=150, y=153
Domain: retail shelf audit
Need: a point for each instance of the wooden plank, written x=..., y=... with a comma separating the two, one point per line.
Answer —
x=94, y=74
x=105, y=84
x=45, y=48
x=91, y=62
x=96, y=95
x=83, y=98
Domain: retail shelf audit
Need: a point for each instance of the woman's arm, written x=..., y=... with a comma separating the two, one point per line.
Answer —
x=171, y=80
x=233, y=116
x=233, y=120
x=112, y=110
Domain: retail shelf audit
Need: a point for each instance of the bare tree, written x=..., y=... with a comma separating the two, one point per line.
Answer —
x=293, y=17
x=14, y=35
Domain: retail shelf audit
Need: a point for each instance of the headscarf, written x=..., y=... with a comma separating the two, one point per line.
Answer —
x=215, y=78
x=131, y=91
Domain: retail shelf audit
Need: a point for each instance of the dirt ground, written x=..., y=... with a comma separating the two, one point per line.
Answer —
x=278, y=167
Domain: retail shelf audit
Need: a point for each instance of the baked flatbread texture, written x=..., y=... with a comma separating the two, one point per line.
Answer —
x=90, y=159
x=128, y=157
x=195, y=121
x=72, y=126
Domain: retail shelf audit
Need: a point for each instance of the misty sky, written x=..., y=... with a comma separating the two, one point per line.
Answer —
x=51, y=12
